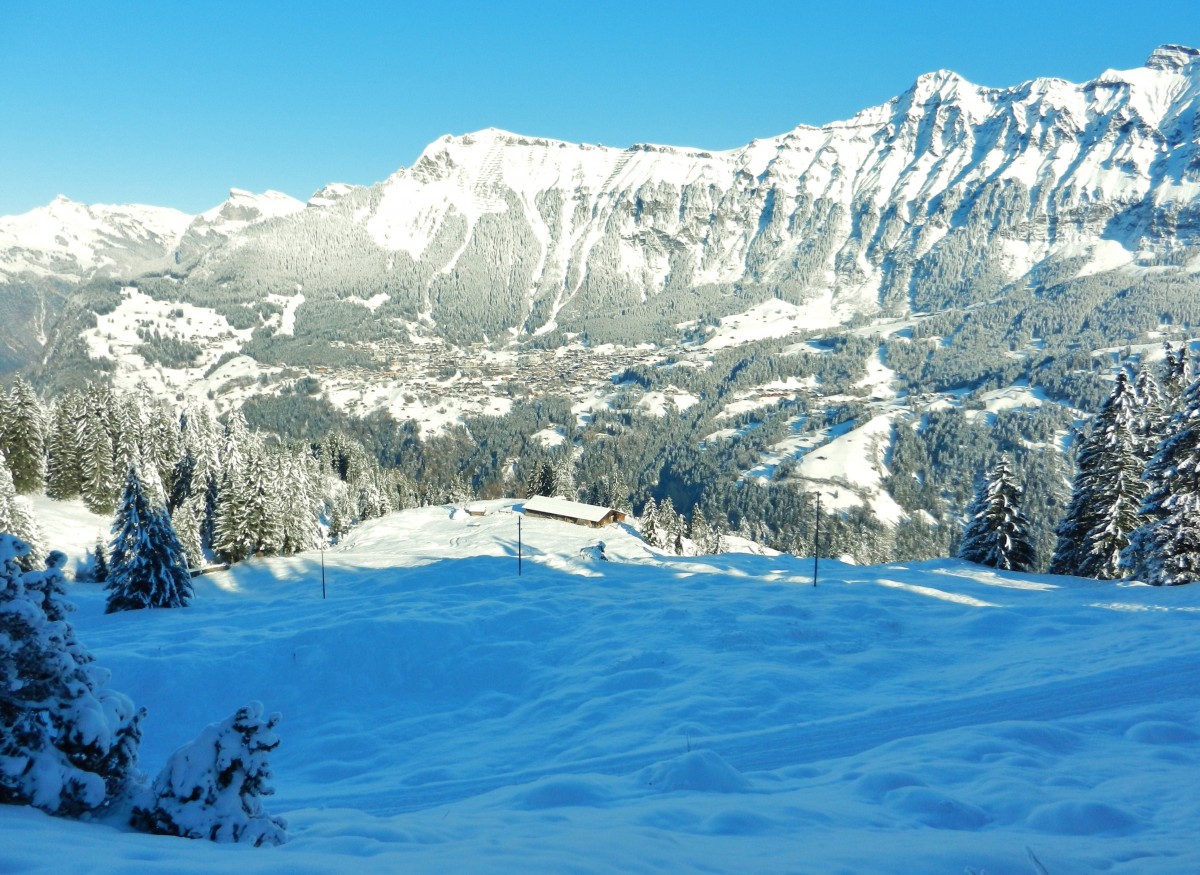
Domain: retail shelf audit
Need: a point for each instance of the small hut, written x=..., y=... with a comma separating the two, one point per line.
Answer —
x=591, y=515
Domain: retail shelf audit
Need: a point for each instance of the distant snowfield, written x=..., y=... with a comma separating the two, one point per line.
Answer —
x=774, y=318
x=655, y=714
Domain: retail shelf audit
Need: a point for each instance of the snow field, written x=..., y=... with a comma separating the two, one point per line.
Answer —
x=652, y=713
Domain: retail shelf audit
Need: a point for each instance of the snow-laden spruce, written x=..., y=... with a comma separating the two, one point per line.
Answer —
x=212, y=787
x=997, y=532
x=147, y=566
x=1165, y=550
x=1108, y=493
x=23, y=437
x=68, y=745
x=16, y=518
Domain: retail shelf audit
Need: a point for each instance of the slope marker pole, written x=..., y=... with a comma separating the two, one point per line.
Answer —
x=816, y=537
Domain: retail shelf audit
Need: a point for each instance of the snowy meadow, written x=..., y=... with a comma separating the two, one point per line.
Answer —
x=613, y=709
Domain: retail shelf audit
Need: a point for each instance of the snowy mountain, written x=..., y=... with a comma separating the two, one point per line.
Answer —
x=648, y=713
x=942, y=196
x=71, y=241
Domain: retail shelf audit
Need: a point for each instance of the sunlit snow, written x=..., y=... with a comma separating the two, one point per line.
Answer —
x=653, y=714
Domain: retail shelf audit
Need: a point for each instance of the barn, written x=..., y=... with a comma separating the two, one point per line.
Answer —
x=576, y=512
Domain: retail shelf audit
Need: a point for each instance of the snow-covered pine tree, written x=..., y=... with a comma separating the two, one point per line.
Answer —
x=370, y=500
x=126, y=427
x=997, y=532
x=147, y=567
x=64, y=479
x=564, y=478
x=1155, y=555
x=608, y=490
x=100, y=487
x=212, y=787
x=649, y=522
x=698, y=531
x=100, y=561
x=669, y=526
x=340, y=512
x=23, y=438
x=540, y=480
x=16, y=518
x=201, y=440
x=162, y=444
x=403, y=491
x=68, y=745
x=187, y=519
x=1177, y=370
x=248, y=512
x=299, y=503
x=1152, y=414
x=1108, y=492
x=1170, y=547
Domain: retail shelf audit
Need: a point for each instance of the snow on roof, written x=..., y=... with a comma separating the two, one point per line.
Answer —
x=561, y=507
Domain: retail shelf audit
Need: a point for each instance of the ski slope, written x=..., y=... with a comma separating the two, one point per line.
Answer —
x=651, y=713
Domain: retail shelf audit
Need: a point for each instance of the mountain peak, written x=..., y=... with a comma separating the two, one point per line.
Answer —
x=1172, y=57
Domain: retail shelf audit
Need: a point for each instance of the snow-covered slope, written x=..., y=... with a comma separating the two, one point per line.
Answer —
x=649, y=714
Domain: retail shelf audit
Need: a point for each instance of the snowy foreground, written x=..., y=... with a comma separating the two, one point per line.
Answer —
x=660, y=714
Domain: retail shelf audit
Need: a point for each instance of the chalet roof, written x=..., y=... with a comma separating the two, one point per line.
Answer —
x=561, y=507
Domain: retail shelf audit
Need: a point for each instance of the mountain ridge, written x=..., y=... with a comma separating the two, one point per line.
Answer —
x=947, y=194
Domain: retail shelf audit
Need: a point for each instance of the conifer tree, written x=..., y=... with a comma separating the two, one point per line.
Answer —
x=16, y=518
x=1152, y=414
x=564, y=478
x=1108, y=492
x=187, y=519
x=68, y=745
x=99, y=486
x=649, y=522
x=162, y=445
x=1170, y=547
x=997, y=532
x=125, y=428
x=100, y=561
x=147, y=568
x=299, y=520
x=341, y=514
x=540, y=480
x=64, y=479
x=698, y=531
x=1159, y=551
x=212, y=787
x=248, y=515
x=669, y=527
x=23, y=438
x=1177, y=370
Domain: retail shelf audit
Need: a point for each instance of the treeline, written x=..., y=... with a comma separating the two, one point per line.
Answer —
x=231, y=492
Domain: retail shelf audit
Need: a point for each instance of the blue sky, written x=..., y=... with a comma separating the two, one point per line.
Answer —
x=174, y=103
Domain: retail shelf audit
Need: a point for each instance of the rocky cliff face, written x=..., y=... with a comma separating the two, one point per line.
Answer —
x=943, y=196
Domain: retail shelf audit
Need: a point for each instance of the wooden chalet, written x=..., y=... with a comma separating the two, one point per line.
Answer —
x=576, y=512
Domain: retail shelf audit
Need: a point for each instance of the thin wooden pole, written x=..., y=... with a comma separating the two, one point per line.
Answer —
x=816, y=537
x=518, y=545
